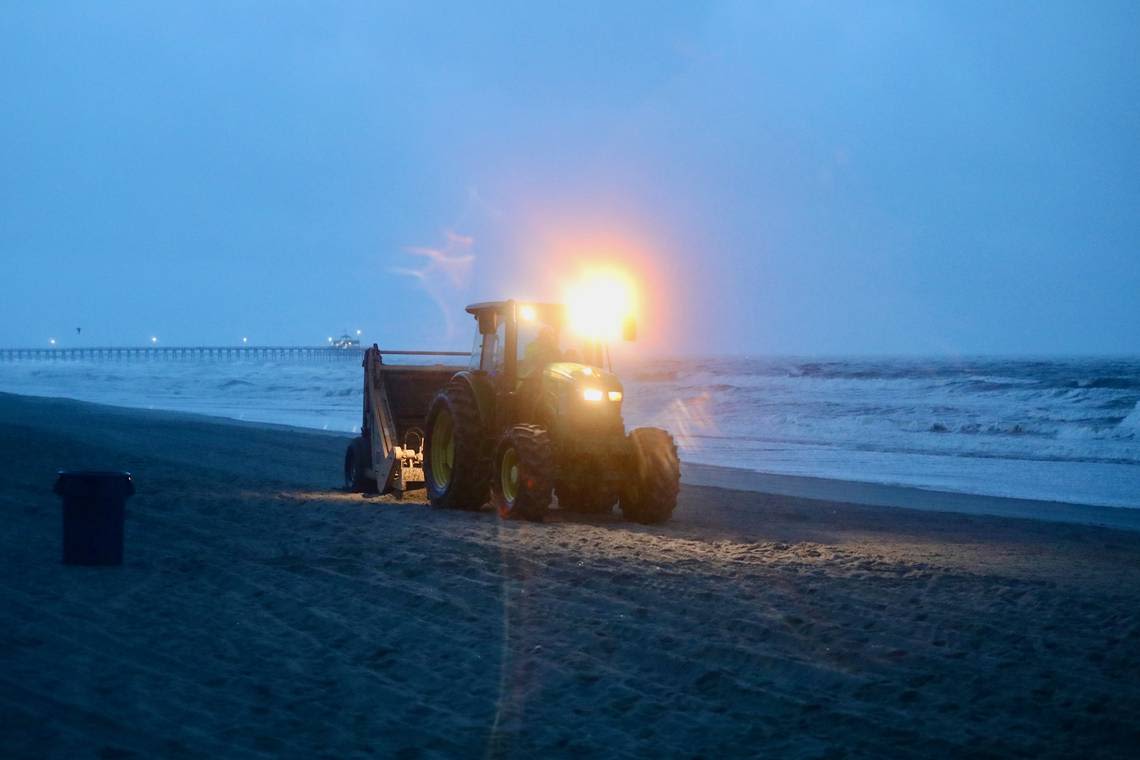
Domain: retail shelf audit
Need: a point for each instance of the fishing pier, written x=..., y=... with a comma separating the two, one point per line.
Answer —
x=202, y=353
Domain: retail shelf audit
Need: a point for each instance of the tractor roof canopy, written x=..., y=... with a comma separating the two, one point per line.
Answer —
x=500, y=306
x=491, y=313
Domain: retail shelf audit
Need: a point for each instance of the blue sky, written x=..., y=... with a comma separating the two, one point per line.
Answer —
x=810, y=178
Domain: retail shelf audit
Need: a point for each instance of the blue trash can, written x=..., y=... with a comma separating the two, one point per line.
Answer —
x=94, y=509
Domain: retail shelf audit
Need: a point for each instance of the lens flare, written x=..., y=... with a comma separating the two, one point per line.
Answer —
x=599, y=304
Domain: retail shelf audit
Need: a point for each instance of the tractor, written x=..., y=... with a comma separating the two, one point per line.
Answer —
x=536, y=414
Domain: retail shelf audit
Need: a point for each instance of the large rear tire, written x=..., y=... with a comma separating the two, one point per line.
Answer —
x=649, y=494
x=522, y=484
x=357, y=460
x=456, y=470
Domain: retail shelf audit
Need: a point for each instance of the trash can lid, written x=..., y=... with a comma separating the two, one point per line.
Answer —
x=70, y=481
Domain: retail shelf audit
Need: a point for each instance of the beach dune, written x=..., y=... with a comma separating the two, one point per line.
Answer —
x=262, y=612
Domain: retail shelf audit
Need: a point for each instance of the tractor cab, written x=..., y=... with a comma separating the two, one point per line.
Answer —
x=518, y=340
x=541, y=371
x=536, y=415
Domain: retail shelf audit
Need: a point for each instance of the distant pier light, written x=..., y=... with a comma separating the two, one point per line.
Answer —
x=358, y=332
x=330, y=339
x=56, y=350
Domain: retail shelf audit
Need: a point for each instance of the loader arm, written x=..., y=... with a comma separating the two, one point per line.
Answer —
x=396, y=400
x=381, y=425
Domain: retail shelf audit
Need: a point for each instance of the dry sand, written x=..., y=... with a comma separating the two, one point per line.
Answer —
x=261, y=612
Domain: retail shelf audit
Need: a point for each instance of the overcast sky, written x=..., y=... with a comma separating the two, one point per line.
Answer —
x=807, y=178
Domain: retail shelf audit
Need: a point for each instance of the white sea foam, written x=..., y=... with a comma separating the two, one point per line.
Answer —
x=1130, y=425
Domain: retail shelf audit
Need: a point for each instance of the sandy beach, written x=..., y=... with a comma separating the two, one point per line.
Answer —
x=262, y=612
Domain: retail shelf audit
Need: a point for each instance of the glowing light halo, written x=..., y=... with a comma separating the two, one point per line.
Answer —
x=599, y=302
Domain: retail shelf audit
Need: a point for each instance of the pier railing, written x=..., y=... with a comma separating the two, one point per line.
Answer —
x=184, y=353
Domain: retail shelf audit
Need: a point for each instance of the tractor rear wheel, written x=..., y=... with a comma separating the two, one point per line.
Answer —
x=357, y=460
x=455, y=467
x=521, y=484
x=649, y=494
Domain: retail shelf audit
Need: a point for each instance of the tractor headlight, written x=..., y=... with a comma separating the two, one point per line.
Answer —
x=595, y=394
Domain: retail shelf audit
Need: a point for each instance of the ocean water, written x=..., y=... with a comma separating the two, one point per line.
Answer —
x=1056, y=430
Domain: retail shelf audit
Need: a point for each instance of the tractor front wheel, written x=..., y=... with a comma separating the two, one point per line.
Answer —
x=649, y=494
x=455, y=467
x=521, y=485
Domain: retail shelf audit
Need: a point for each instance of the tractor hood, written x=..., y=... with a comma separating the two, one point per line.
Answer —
x=587, y=401
x=583, y=375
x=585, y=383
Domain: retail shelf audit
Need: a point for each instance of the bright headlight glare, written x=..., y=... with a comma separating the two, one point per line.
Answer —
x=599, y=303
x=615, y=395
x=592, y=394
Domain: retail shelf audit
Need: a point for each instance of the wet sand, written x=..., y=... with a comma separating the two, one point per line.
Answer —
x=261, y=612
